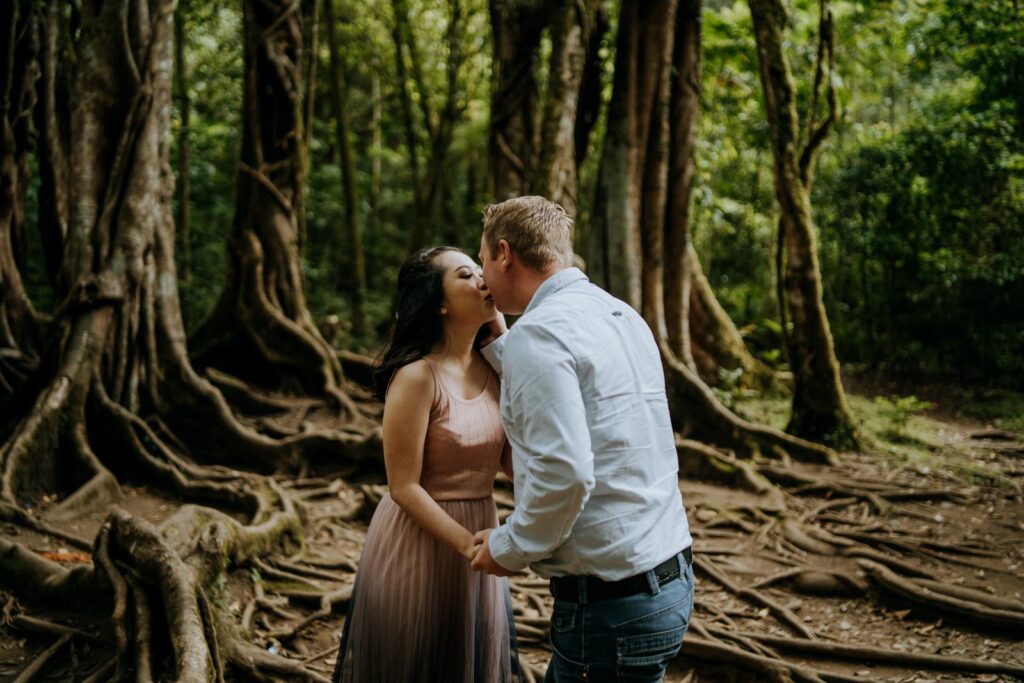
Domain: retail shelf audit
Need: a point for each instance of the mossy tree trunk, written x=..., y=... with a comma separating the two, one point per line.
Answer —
x=643, y=142
x=260, y=329
x=820, y=411
x=115, y=396
x=539, y=135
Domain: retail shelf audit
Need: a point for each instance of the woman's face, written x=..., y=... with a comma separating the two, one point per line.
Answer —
x=466, y=298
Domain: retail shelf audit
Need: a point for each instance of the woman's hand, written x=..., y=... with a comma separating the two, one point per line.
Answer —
x=470, y=550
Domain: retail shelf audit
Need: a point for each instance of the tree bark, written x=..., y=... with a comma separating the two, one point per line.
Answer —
x=22, y=329
x=339, y=102
x=184, y=150
x=630, y=196
x=589, y=107
x=119, y=395
x=637, y=145
x=260, y=329
x=714, y=342
x=657, y=32
x=820, y=411
x=53, y=120
x=614, y=255
x=557, y=157
x=684, y=113
x=515, y=98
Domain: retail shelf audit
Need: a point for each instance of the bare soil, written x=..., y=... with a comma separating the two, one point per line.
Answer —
x=971, y=538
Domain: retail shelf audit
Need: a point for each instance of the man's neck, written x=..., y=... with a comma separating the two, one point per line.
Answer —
x=533, y=279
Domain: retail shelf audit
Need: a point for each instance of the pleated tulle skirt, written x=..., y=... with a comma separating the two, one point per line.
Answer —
x=420, y=613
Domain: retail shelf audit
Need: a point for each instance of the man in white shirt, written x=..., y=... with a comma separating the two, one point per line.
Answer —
x=598, y=509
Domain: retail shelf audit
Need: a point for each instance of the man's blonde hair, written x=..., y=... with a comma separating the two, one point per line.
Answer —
x=537, y=229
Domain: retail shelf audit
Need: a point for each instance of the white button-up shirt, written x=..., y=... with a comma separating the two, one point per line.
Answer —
x=596, y=471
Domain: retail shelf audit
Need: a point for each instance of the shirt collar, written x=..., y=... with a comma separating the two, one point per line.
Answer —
x=564, y=277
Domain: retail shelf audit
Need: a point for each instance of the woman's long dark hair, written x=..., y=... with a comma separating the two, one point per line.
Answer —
x=418, y=325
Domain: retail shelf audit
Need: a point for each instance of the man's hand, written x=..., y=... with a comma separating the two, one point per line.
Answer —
x=493, y=329
x=483, y=560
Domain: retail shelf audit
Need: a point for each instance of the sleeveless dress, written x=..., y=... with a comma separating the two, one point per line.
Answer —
x=419, y=612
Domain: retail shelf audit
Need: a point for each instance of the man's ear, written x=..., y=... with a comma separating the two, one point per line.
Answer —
x=504, y=255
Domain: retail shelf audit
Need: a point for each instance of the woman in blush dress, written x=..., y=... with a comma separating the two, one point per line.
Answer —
x=418, y=611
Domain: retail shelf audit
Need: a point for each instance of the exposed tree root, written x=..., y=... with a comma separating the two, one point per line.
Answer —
x=767, y=668
x=863, y=653
x=696, y=410
x=920, y=595
x=706, y=566
x=39, y=662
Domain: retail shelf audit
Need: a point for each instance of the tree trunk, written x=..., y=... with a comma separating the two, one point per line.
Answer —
x=22, y=330
x=820, y=411
x=699, y=332
x=684, y=113
x=557, y=157
x=119, y=396
x=515, y=127
x=260, y=329
x=714, y=342
x=184, y=151
x=589, y=107
x=53, y=120
x=657, y=32
x=614, y=255
x=636, y=144
x=339, y=102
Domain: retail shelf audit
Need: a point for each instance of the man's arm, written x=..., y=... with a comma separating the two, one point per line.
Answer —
x=550, y=429
x=492, y=346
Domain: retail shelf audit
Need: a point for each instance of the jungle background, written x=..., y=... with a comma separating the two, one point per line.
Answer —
x=818, y=206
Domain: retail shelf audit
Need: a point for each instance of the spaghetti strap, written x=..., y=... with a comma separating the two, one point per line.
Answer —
x=439, y=386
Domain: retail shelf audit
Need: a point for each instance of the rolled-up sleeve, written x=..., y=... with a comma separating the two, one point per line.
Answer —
x=554, y=463
x=494, y=351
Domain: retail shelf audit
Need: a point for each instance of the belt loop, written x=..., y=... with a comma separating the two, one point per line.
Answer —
x=652, y=582
x=581, y=590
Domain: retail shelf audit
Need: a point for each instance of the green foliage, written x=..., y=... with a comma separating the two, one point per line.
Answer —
x=213, y=55
x=919, y=193
x=898, y=410
x=1001, y=408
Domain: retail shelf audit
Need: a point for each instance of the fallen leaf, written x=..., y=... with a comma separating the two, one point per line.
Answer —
x=65, y=555
x=901, y=614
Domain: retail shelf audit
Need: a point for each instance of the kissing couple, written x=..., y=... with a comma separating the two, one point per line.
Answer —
x=570, y=404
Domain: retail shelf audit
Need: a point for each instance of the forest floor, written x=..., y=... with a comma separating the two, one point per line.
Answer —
x=962, y=522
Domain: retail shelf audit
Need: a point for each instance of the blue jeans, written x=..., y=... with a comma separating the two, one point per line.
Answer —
x=625, y=639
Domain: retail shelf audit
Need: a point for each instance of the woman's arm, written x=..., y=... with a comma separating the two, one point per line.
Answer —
x=406, y=416
x=506, y=461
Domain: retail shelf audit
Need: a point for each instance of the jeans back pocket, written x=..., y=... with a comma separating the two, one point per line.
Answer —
x=650, y=648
